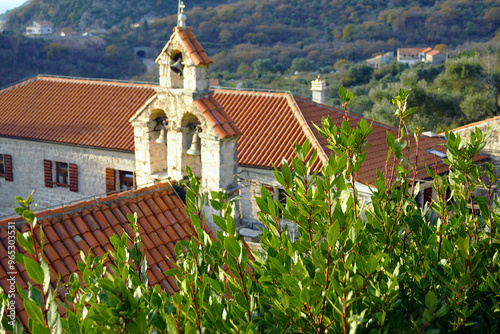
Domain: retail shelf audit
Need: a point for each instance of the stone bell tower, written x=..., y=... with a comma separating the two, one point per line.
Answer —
x=183, y=124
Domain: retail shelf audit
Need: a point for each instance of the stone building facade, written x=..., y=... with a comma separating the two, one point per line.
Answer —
x=492, y=148
x=29, y=174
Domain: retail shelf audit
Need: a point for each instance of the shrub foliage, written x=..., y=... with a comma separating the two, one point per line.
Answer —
x=387, y=267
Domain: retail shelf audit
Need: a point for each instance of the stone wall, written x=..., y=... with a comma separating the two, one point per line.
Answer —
x=492, y=148
x=251, y=181
x=28, y=170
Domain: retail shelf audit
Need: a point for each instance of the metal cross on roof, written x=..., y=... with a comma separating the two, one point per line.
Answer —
x=180, y=11
x=181, y=7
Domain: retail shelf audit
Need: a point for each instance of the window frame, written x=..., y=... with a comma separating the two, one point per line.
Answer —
x=6, y=170
x=115, y=179
x=279, y=196
x=2, y=165
x=65, y=170
x=127, y=177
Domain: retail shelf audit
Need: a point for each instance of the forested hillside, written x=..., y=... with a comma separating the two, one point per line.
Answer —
x=86, y=14
x=261, y=43
x=322, y=31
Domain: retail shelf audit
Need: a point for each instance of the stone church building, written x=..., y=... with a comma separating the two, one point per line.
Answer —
x=71, y=139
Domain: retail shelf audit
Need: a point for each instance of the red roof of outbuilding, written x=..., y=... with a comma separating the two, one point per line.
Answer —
x=433, y=52
x=88, y=225
x=410, y=51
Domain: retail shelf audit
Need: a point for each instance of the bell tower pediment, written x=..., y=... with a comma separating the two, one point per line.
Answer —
x=184, y=63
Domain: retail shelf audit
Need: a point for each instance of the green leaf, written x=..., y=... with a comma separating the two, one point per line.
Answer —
x=342, y=94
x=333, y=234
x=46, y=275
x=443, y=310
x=465, y=279
x=171, y=325
x=173, y=272
x=447, y=246
x=240, y=300
x=431, y=301
x=34, y=311
x=34, y=270
x=25, y=241
x=463, y=246
x=232, y=246
x=220, y=222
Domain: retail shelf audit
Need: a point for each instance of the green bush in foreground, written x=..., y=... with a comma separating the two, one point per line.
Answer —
x=388, y=268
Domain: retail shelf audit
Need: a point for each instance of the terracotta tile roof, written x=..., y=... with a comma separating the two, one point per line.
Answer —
x=72, y=111
x=433, y=52
x=426, y=50
x=410, y=51
x=377, y=152
x=269, y=125
x=194, y=48
x=268, y=122
x=217, y=117
x=272, y=122
x=162, y=221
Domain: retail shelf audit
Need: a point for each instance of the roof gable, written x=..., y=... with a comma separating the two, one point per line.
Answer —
x=192, y=47
x=272, y=122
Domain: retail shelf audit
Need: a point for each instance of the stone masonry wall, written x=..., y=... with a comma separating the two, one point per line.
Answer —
x=251, y=180
x=28, y=169
x=492, y=148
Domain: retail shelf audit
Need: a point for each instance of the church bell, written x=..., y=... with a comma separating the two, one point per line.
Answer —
x=195, y=148
x=176, y=66
x=162, y=138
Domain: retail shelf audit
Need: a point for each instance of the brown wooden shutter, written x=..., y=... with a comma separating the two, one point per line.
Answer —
x=8, y=167
x=110, y=180
x=73, y=177
x=47, y=169
x=428, y=195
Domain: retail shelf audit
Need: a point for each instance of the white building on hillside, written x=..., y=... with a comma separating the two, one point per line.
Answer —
x=40, y=28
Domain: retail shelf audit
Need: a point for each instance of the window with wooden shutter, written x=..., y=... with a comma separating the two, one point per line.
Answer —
x=278, y=194
x=73, y=177
x=126, y=180
x=8, y=172
x=6, y=167
x=110, y=180
x=47, y=169
x=66, y=175
x=428, y=195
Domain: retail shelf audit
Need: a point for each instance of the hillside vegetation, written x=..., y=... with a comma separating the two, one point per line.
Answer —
x=261, y=43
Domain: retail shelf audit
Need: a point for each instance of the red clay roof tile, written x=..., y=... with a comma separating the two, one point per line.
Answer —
x=214, y=113
x=98, y=117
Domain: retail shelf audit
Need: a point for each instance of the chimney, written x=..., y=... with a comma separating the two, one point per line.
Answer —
x=318, y=88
